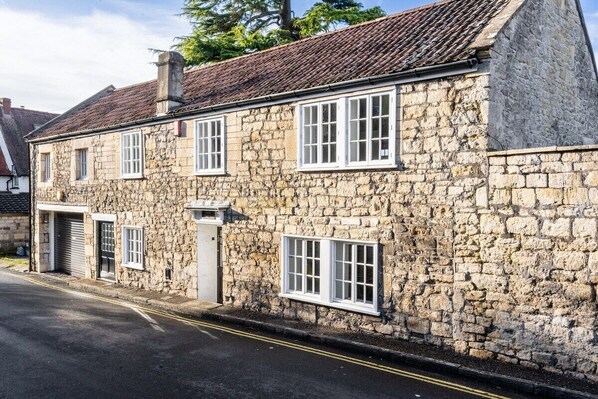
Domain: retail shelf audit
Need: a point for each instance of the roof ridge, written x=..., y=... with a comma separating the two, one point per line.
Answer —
x=132, y=85
x=390, y=16
x=34, y=110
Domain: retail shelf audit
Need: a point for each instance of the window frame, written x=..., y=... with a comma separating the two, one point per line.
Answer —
x=79, y=166
x=354, y=274
x=320, y=144
x=343, y=132
x=125, y=248
x=45, y=173
x=326, y=297
x=210, y=170
x=304, y=276
x=132, y=175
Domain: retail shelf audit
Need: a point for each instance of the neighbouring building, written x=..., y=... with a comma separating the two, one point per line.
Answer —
x=430, y=176
x=15, y=124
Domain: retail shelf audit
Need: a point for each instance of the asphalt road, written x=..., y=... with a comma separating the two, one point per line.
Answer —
x=57, y=344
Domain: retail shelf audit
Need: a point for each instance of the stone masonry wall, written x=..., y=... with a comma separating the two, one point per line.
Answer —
x=409, y=210
x=531, y=297
x=14, y=232
x=448, y=277
x=544, y=85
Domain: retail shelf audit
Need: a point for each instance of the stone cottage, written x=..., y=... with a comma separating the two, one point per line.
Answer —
x=430, y=176
x=15, y=124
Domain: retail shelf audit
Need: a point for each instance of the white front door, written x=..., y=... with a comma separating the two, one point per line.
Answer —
x=207, y=263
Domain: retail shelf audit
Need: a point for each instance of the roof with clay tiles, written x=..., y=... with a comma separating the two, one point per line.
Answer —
x=436, y=34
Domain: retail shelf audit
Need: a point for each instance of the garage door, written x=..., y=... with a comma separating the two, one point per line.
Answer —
x=69, y=244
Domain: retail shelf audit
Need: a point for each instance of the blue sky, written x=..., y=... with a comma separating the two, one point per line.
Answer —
x=60, y=8
x=63, y=51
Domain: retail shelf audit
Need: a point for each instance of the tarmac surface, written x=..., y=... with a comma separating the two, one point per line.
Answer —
x=55, y=342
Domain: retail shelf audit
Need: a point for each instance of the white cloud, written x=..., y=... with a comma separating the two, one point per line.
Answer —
x=52, y=64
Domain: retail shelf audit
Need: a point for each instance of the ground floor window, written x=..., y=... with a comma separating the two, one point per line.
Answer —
x=354, y=273
x=337, y=273
x=133, y=247
x=303, y=272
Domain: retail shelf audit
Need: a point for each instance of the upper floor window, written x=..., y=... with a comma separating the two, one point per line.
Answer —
x=46, y=167
x=14, y=180
x=369, y=129
x=336, y=273
x=132, y=154
x=349, y=132
x=133, y=247
x=209, y=146
x=81, y=167
x=320, y=133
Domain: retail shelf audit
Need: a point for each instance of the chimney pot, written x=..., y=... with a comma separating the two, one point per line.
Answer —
x=170, y=81
x=6, y=108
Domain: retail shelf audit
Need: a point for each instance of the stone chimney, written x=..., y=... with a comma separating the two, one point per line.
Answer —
x=6, y=108
x=170, y=81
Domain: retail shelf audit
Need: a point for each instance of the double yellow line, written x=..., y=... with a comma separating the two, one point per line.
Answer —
x=290, y=345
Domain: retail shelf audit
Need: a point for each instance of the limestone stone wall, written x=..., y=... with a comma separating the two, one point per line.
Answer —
x=409, y=210
x=14, y=232
x=531, y=296
x=454, y=225
x=544, y=85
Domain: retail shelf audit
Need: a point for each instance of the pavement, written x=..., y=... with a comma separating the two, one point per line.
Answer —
x=497, y=378
x=16, y=263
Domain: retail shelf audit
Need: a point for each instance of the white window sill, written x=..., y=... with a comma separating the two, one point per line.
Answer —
x=131, y=177
x=218, y=172
x=345, y=168
x=133, y=266
x=336, y=305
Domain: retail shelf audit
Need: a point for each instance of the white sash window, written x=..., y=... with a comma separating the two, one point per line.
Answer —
x=336, y=273
x=351, y=132
x=131, y=155
x=210, y=146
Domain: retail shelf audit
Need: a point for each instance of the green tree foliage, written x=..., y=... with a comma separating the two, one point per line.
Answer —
x=224, y=29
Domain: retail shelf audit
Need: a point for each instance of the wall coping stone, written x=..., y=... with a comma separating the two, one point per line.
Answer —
x=536, y=150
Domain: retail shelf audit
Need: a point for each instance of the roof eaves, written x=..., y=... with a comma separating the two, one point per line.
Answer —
x=429, y=72
x=85, y=103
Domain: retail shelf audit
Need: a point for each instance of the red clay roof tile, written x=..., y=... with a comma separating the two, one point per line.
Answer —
x=4, y=171
x=436, y=34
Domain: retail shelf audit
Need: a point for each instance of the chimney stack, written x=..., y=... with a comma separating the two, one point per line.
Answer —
x=6, y=106
x=170, y=81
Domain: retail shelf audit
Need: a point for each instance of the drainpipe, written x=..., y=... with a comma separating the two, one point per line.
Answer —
x=31, y=207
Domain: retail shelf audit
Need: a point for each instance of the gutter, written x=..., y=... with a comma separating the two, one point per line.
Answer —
x=412, y=75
